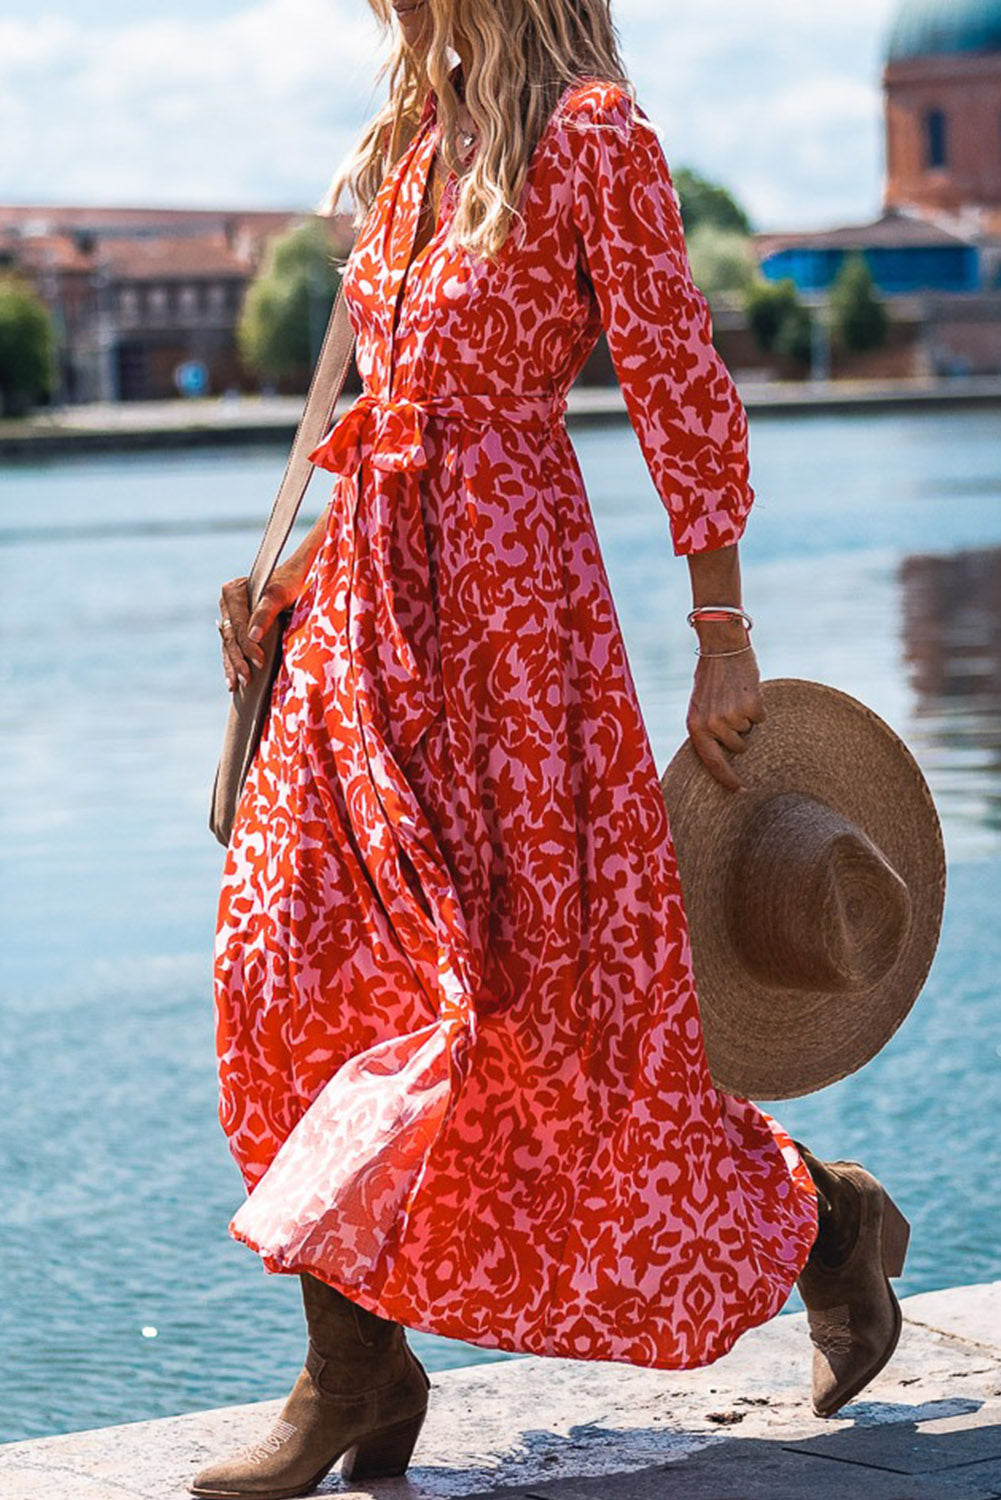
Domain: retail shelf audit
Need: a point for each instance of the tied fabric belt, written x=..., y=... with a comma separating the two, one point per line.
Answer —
x=391, y=621
x=389, y=431
x=394, y=663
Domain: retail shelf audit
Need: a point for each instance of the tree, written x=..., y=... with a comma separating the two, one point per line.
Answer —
x=287, y=306
x=27, y=346
x=779, y=319
x=705, y=202
x=721, y=260
x=859, y=319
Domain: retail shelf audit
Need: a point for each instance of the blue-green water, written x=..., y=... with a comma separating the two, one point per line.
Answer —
x=872, y=561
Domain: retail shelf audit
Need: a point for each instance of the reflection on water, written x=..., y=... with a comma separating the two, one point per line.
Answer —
x=952, y=613
x=871, y=562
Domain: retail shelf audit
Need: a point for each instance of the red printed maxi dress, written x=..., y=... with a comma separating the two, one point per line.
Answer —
x=460, y=1057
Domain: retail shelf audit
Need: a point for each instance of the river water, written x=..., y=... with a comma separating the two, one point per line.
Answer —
x=872, y=561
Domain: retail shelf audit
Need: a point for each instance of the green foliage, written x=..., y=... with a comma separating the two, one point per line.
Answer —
x=859, y=319
x=704, y=202
x=288, y=306
x=721, y=259
x=780, y=321
x=27, y=347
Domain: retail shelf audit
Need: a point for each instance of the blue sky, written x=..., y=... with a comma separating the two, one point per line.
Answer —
x=252, y=103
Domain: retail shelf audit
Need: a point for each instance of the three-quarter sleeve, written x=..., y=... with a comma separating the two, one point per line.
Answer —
x=681, y=400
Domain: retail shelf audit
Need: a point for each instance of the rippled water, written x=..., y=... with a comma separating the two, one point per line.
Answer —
x=872, y=561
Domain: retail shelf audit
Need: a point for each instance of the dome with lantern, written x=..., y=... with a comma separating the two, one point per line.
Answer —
x=939, y=28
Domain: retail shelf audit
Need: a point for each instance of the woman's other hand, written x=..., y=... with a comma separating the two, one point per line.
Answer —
x=241, y=630
x=726, y=702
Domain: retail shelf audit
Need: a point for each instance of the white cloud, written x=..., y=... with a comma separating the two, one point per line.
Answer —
x=779, y=100
x=257, y=106
x=246, y=109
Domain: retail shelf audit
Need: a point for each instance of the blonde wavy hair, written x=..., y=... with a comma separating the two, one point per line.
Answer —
x=523, y=54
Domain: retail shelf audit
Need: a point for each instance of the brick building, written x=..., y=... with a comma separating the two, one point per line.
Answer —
x=136, y=293
x=942, y=94
x=937, y=245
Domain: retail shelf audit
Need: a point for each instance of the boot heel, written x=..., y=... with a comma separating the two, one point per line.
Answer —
x=384, y=1453
x=895, y=1233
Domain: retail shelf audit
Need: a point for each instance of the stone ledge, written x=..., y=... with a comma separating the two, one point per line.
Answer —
x=213, y=420
x=928, y=1428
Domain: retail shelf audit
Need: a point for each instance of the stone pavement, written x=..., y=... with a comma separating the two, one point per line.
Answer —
x=927, y=1428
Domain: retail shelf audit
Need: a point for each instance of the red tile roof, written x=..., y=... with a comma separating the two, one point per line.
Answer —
x=144, y=244
x=51, y=217
x=172, y=259
x=56, y=252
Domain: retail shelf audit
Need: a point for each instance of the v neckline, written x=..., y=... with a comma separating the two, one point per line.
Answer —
x=420, y=159
x=425, y=202
x=433, y=126
x=424, y=164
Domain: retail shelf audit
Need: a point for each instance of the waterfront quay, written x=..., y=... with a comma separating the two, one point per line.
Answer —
x=927, y=1428
x=239, y=420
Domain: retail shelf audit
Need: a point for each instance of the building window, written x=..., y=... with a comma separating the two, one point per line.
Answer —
x=128, y=304
x=935, y=138
x=189, y=301
x=157, y=301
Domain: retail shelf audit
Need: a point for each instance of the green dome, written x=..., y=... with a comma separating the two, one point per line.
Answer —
x=930, y=28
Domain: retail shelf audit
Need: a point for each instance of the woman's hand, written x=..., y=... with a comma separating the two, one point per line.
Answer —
x=242, y=630
x=725, y=705
x=726, y=699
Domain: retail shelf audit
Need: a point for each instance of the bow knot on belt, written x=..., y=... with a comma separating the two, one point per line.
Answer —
x=393, y=684
x=390, y=609
x=389, y=431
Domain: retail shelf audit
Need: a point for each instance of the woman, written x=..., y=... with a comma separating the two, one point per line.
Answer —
x=461, y=1063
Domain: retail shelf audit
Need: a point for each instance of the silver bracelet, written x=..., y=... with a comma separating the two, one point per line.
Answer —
x=699, y=651
x=726, y=609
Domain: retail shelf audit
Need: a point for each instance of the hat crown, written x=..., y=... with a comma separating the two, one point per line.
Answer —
x=811, y=902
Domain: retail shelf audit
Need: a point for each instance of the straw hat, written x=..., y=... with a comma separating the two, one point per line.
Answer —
x=814, y=899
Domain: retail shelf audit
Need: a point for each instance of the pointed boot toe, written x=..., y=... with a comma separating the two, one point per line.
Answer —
x=853, y=1315
x=289, y=1460
x=362, y=1396
x=375, y=1434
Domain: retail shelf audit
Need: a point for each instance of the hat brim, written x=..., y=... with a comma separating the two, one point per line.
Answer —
x=768, y=1041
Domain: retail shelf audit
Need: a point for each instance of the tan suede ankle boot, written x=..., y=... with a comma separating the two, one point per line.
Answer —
x=852, y=1313
x=362, y=1393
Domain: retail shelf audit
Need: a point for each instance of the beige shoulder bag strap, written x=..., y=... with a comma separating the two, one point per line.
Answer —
x=249, y=706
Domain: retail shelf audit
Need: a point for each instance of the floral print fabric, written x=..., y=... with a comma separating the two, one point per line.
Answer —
x=460, y=1056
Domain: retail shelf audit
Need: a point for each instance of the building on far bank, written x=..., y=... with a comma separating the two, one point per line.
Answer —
x=936, y=247
x=137, y=293
x=942, y=96
x=905, y=253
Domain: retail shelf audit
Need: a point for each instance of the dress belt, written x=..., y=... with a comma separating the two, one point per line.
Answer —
x=393, y=652
x=389, y=431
